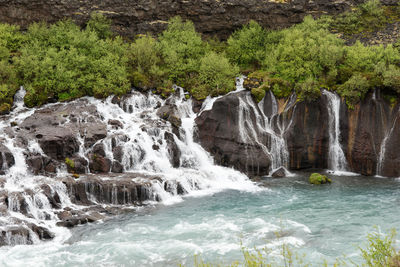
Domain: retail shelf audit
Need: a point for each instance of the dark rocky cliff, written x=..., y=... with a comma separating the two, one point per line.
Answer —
x=369, y=134
x=211, y=17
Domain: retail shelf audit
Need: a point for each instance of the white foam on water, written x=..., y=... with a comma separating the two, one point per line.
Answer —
x=342, y=173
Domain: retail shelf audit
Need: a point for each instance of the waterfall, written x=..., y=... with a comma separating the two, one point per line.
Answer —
x=336, y=159
x=147, y=147
x=250, y=130
x=382, y=150
x=274, y=127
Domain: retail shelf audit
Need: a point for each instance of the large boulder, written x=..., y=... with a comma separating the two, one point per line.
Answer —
x=173, y=150
x=6, y=158
x=99, y=164
x=170, y=113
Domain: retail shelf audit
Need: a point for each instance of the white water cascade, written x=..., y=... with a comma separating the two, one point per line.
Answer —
x=336, y=160
x=146, y=153
x=276, y=126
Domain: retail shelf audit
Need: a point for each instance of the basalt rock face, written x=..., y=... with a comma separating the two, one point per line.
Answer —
x=369, y=134
x=210, y=17
x=307, y=137
x=372, y=137
x=222, y=133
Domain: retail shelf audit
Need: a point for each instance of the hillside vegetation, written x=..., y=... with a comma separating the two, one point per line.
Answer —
x=61, y=62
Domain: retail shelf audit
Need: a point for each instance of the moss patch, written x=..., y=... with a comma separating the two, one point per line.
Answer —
x=70, y=163
x=317, y=178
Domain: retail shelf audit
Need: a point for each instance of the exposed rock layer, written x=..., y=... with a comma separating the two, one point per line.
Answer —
x=210, y=17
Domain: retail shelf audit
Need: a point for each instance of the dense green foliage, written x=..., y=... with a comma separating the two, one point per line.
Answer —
x=243, y=52
x=215, y=74
x=305, y=50
x=61, y=62
x=145, y=62
x=10, y=42
x=308, y=57
x=100, y=25
x=367, y=17
x=188, y=61
x=181, y=48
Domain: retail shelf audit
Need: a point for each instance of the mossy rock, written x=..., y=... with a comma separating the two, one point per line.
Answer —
x=260, y=91
x=317, y=178
x=70, y=164
x=5, y=108
x=259, y=75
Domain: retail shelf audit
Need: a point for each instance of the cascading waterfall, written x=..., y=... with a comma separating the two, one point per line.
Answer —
x=250, y=130
x=144, y=132
x=145, y=151
x=336, y=160
x=25, y=201
x=278, y=150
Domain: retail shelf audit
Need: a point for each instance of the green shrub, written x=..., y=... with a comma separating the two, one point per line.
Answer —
x=260, y=82
x=305, y=50
x=8, y=84
x=11, y=40
x=280, y=87
x=181, y=49
x=259, y=92
x=62, y=61
x=361, y=58
x=391, y=77
x=145, y=62
x=100, y=24
x=308, y=90
x=354, y=89
x=380, y=251
x=246, y=47
x=216, y=45
x=216, y=74
x=369, y=16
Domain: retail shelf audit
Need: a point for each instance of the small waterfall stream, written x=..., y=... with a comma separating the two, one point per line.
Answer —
x=336, y=160
x=382, y=150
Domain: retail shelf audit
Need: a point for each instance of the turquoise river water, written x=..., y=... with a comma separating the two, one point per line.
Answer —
x=324, y=222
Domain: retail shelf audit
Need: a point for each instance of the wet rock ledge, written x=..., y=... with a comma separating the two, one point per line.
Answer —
x=92, y=198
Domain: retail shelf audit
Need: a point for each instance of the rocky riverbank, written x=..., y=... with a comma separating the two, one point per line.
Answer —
x=91, y=198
